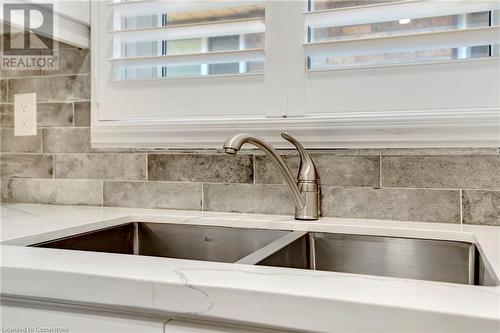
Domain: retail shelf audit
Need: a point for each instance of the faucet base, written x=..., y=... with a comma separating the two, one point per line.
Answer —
x=310, y=211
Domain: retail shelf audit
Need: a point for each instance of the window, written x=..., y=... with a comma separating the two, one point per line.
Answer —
x=337, y=30
x=339, y=73
x=176, y=40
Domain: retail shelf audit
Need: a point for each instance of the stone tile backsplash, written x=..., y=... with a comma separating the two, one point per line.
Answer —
x=71, y=61
x=26, y=166
x=201, y=168
x=82, y=114
x=20, y=144
x=481, y=207
x=469, y=172
x=168, y=195
x=48, y=114
x=57, y=191
x=456, y=185
x=101, y=166
x=334, y=169
x=66, y=140
x=392, y=204
x=3, y=91
x=247, y=198
x=52, y=88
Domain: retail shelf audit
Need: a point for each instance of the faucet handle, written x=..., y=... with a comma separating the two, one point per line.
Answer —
x=307, y=168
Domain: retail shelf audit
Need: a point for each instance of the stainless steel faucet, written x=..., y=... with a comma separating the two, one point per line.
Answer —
x=304, y=190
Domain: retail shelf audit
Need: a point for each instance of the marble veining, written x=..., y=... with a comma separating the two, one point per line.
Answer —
x=207, y=303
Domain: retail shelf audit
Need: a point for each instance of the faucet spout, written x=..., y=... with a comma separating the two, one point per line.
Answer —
x=306, y=200
x=233, y=144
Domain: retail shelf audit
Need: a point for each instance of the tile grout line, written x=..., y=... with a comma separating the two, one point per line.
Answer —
x=250, y=184
x=73, y=120
x=47, y=76
x=102, y=192
x=254, y=169
x=54, y=167
x=147, y=167
x=202, y=197
x=41, y=138
x=380, y=170
x=13, y=190
x=461, y=208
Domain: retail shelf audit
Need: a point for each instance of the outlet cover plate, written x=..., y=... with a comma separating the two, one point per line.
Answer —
x=25, y=114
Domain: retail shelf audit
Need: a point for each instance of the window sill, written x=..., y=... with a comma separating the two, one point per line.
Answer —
x=421, y=128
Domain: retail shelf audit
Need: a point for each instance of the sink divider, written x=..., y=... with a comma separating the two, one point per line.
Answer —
x=136, y=244
x=264, y=252
x=472, y=264
x=312, y=252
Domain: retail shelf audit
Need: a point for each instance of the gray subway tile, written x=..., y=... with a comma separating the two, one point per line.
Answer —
x=13, y=71
x=342, y=170
x=17, y=73
x=466, y=172
x=153, y=195
x=481, y=207
x=82, y=114
x=53, y=88
x=55, y=114
x=10, y=69
x=58, y=191
x=3, y=91
x=423, y=205
x=48, y=115
x=6, y=115
x=6, y=190
x=20, y=144
x=101, y=166
x=26, y=166
x=246, y=198
x=200, y=168
x=70, y=61
x=72, y=140
x=267, y=172
x=66, y=140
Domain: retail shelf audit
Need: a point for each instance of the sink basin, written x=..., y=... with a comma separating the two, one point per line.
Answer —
x=221, y=244
x=412, y=258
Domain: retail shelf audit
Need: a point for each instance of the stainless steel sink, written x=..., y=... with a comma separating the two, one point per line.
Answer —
x=182, y=241
x=424, y=259
x=411, y=258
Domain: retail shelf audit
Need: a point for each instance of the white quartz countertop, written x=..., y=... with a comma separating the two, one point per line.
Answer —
x=254, y=295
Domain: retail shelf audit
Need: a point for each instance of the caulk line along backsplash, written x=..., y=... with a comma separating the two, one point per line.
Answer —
x=59, y=166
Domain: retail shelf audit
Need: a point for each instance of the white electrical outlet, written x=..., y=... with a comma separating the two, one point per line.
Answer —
x=25, y=114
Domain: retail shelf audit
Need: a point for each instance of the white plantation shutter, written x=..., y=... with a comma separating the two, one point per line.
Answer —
x=157, y=25
x=198, y=31
x=379, y=50
x=360, y=17
x=181, y=59
x=339, y=73
x=384, y=11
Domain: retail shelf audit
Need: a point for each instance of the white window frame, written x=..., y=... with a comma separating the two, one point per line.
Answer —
x=298, y=105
